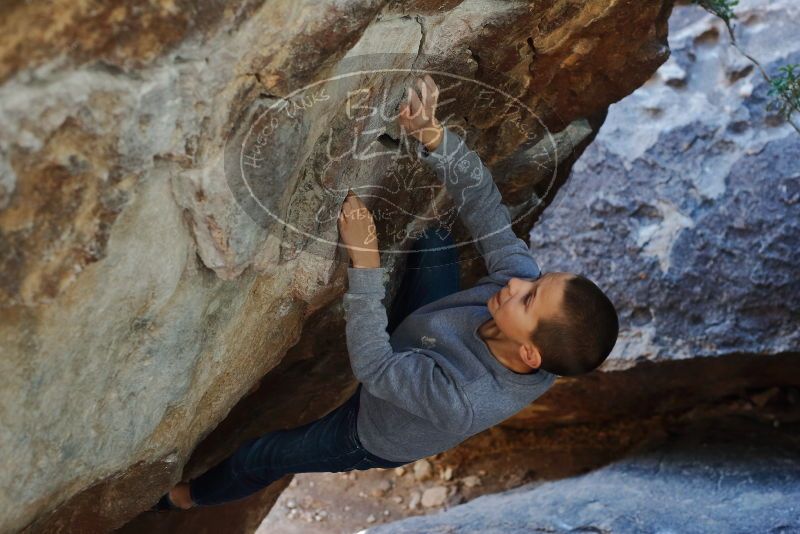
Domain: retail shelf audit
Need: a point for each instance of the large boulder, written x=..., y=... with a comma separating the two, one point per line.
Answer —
x=141, y=297
x=708, y=481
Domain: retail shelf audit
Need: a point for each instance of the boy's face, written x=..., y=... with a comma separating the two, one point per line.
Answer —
x=519, y=306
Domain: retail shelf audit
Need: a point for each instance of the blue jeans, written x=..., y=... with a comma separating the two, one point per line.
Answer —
x=330, y=444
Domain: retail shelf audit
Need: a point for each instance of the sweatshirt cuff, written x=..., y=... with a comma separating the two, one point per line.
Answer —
x=365, y=280
x=447, y=148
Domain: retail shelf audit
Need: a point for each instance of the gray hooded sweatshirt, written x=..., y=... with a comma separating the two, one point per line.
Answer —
x=434, y=382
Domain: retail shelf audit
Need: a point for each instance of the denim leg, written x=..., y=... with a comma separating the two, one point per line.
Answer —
x=430, y=274
x=329, y=444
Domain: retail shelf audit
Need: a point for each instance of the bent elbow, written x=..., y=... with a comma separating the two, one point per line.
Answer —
x=459, y=424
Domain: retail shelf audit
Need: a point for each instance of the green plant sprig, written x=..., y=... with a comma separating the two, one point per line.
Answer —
x=721, y=8
x=784, y=87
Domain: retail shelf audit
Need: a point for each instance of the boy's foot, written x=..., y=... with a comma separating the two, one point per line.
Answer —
x=164, y=504
x=177, y=499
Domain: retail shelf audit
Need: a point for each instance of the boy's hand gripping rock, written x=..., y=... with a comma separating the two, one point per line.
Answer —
x=418, y=114
x=358, y=233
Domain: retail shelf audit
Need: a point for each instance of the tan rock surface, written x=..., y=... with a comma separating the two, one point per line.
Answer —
x=139, y=302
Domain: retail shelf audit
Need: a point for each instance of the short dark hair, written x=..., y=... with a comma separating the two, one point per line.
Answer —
x=581, y=338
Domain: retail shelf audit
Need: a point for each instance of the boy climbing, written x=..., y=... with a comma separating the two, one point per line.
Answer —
x=446, y=363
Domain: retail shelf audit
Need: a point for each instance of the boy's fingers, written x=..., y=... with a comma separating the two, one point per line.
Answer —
x=426, y=98
x=433, y=92
x=434, y=89
x=424, y=90
x=405, y=117
x=414, y=102
x=409, y=100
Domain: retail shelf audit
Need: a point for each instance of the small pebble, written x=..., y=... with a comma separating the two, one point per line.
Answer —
x=422, y=469
x=371, y=518
x=397, y=499
x=447, y=474
x=386, y=513
x=414, y=500
x=321, y=515
x=346, y=507
x=434, y=496
x=471, y=481
x=291, y=503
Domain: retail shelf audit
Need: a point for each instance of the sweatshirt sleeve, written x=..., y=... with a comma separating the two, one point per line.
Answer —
x=471, y=186
x=410, y=380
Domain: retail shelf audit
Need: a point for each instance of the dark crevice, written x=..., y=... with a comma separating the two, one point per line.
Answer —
x=264, y=94
x=532, y=48
x=421, y=46
x=387, y=141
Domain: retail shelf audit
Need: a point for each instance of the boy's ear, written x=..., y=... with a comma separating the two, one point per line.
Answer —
x=530, y=355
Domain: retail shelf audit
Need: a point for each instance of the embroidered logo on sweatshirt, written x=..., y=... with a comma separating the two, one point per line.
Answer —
x=428, y=342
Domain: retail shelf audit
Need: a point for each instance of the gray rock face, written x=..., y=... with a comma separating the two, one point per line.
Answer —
x=694, y=485
x=685, y=208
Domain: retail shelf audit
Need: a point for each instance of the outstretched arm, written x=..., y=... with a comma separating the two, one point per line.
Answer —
x=410, y=380
x=469, y=182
